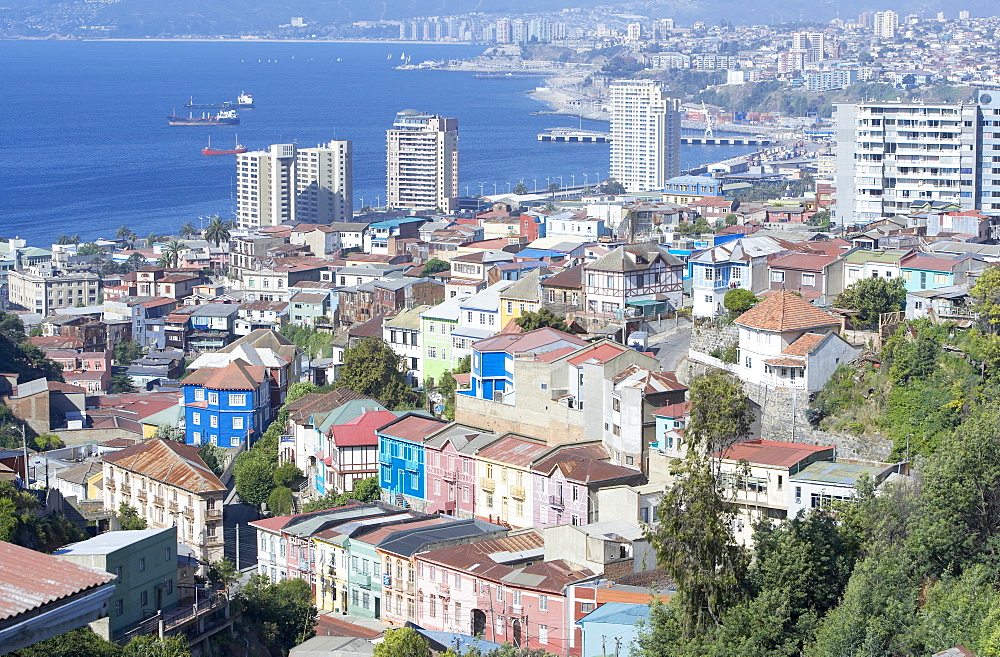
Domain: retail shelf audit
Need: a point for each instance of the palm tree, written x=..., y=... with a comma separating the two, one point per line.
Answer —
x=217, y=231
x=164, y=261
x=135, y=261
x=553, y=188
x=188, y=230
x=64, y=239
x=173, y=250
x=520, y=189
x=151, y=240
x=76, y=239
x=123, y=232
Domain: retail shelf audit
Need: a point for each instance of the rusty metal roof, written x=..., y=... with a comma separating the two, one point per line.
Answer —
x=169, y=462
x=32, y=579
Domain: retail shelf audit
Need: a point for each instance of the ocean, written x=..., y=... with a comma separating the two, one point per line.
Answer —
x=86, y=146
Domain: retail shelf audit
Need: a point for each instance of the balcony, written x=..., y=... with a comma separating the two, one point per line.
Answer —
x=443, y=590
x=450, y=476
x=172, y=507
x=488, y=485
x=158, y=500
x=556, y=500
x=110, y=486
x=384, y=458
x=517, y=492
x=140, y=495
x=213, y=513
x=363, y=581
x=412, y=465
x=214, y=540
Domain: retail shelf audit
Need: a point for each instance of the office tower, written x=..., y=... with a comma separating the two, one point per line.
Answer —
x=645, y=135
x=963, y=15
x=885, y=24
x=288, y=183
x=422, y=162
x=893, y=157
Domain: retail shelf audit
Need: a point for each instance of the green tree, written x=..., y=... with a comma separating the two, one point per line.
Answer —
x=434, y=266
x=520, y=189
x=373, y=369
x=188, y=230
x=81, y=642
x=871, y=297
x=45, y=442
x=552, y=189
x=151, y=646
x=286, y=473
x=214, y=457
x=151, y=240
x=279, y=502
x=541, y=318
x=167, y=432
x=985, y=295
x=64, y=240
x=90, y=248
x=126, y=352
x=611, y=187
x=122, y=383
x=223, y=572
x=254, y=474
x=128, y=517
x=217, y=231
x=282, y=611
x=738, y=301
x=173, y=251
x=403, y=642
x=365, y=490
x=135, y=261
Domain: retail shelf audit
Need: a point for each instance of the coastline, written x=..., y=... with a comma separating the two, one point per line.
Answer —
x=563, y=102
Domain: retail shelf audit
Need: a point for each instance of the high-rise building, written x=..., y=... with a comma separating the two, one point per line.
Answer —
x=645, y=135
x=503, y=30
x=634, y=32
x=885, y=24
x=811, y=43
x=893, y=157
x=422, y=162
x=963, y=15
x=288, y=183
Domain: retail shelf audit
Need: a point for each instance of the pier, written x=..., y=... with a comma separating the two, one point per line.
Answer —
x=728, y=141
x=575, y=135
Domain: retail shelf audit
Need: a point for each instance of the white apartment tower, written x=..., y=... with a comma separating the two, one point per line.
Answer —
x=813, y=44
x=288, y=183
x=645, y=135
x=885, y=24
x=422, y=162
x=893, y=157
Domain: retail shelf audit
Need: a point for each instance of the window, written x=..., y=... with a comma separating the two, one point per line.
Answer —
x=170, y=586
x=238, y=422
x=118, y=572
x=629, y=460
x=543, y=603
x=433, y=606
x=777, y=277
x=499, y=593
x=213, y=421
x=809, y=280
x=586, y=607
x=142, y=564
x=196, y=418
x=213, y=398
x=166, y=554
x=143, y=598
x=199, y=394
x=432, y=352
x=798, y=494
x=237, y=400
x=119, y=607
x=543, y=634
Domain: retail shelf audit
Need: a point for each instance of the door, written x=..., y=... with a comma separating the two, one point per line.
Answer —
x=478, y=622
x=378, y=608
x=503, y=510
x=517, y=634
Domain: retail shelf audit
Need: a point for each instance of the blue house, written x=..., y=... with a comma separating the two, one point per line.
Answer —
x=493, y=359
x=611, y=628
x=212, y=326
x=921, y=271
x=226, y=405
x=402, y=462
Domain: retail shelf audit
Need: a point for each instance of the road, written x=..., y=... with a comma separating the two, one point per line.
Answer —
x=672, y=347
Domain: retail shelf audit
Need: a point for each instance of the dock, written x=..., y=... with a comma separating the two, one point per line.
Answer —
x=728, y=141
x=575, y=135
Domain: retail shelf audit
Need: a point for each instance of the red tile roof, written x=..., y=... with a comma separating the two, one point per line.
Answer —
x=785, y=312
x=678, y=410
x=361, y=430
x=237, y=375
x=414, y=428
x=169, y=462
x=775, y=452
x=601, y=353
x=805, y=344
x=32, y=579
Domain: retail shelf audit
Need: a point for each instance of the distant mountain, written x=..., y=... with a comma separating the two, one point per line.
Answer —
x=138, y=18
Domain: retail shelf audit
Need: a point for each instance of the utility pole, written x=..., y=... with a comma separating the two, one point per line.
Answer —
x=24, y=443
x=237, y=547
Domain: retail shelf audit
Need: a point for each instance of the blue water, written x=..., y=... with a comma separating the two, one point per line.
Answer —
x=86, y=146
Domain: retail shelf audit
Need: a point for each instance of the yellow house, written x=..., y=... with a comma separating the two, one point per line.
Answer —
x=504, y=493
x=95, y=486
x=523, y=296
x=331, y=572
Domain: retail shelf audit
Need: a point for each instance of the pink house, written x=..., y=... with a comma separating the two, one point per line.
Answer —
x=565, y=482
x=501, y=590
x=87, y=369
x=451, y=468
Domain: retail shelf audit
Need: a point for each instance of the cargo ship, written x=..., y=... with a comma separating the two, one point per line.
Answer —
x=243, y=101
x=236, y=150
x=224, y=117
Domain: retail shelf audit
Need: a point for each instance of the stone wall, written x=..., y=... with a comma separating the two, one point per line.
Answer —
x=707, y=338
x=781, y=415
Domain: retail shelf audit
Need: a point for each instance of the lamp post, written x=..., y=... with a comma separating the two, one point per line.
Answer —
x=508, y=187
x=572, y=177
x=585, y=183
x=494, y=189
x=534, y=187
x=481, y=189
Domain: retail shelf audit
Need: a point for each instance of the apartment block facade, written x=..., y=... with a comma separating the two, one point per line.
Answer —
x=422, y=162
x=645, y=135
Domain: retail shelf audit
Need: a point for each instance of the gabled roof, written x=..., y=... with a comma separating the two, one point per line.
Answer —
x=300, y=410
x=33, y=579
x=568, y=278
x=775, y=452
x=599, y=353
x=785, y=312
x=524, y=289
x=361, y=430
x=514, y=450
x=237, y=375
x=806, y=344
x=414, y=428
x=633, y=257
x=647, y=381
x=532, y=341
x=169, y=462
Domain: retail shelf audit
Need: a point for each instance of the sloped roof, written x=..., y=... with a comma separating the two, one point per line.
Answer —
x=80, y=473
x=414, y=428
x=633, y=257
x=480, y=558
x=785, y=312
x=169, y=462
x=647, y=381
x=806, y=344
x=568, y=278
x=361, y=430
x=32, y=579
x=305, y=406
x=524, y=289
x=237, y=375
x=775, y=452
x=514, y=450
x=519, y=343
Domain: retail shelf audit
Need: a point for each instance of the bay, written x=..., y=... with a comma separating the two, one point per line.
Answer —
x=86, y=146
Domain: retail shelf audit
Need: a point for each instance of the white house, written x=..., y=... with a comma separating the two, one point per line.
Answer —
x=630, y=273
x=737, y=264
x=402, y=334
x=820, y=484
x=785, y=342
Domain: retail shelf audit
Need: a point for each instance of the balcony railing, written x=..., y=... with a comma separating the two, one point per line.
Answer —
x=215, y=539
x=172, y=506
x=450, y=475
x=140, y=495
x=213, y=513
x=158, y=500
x=488, y=485
x=384, y=458
x=125, y=489
x=412, y=465
x=363, y=581
x=110, y=486
x=556, y=500
x=517, y=492
x=443, y=589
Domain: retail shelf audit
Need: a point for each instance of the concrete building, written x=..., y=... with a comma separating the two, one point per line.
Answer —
x=144, y=563
x=885, y=24
x=645, y=135
x=43, y=289
x=288, y=183
x=170, y=486
x=422, y=162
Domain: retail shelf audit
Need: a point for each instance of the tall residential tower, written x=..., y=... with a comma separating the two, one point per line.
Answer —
x=288, y=183
x=645, y=135
x=422, y=162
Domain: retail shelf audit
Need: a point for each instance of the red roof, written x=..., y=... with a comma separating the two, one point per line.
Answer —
x=361, y=430
x=785, y=312
x=519, y=343
x=33, y=579
x=237, y=375
x=601, y=353
x=513, y=450
x=775, y=452
x=678, y=410
x=414, y=428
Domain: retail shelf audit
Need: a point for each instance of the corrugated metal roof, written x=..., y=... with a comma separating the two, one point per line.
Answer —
x=32, y=579
x=168, y=462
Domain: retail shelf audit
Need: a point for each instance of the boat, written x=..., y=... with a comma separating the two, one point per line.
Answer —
x=224, y=117
x=243, y=101
x=194, y=105
x=236, y=150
